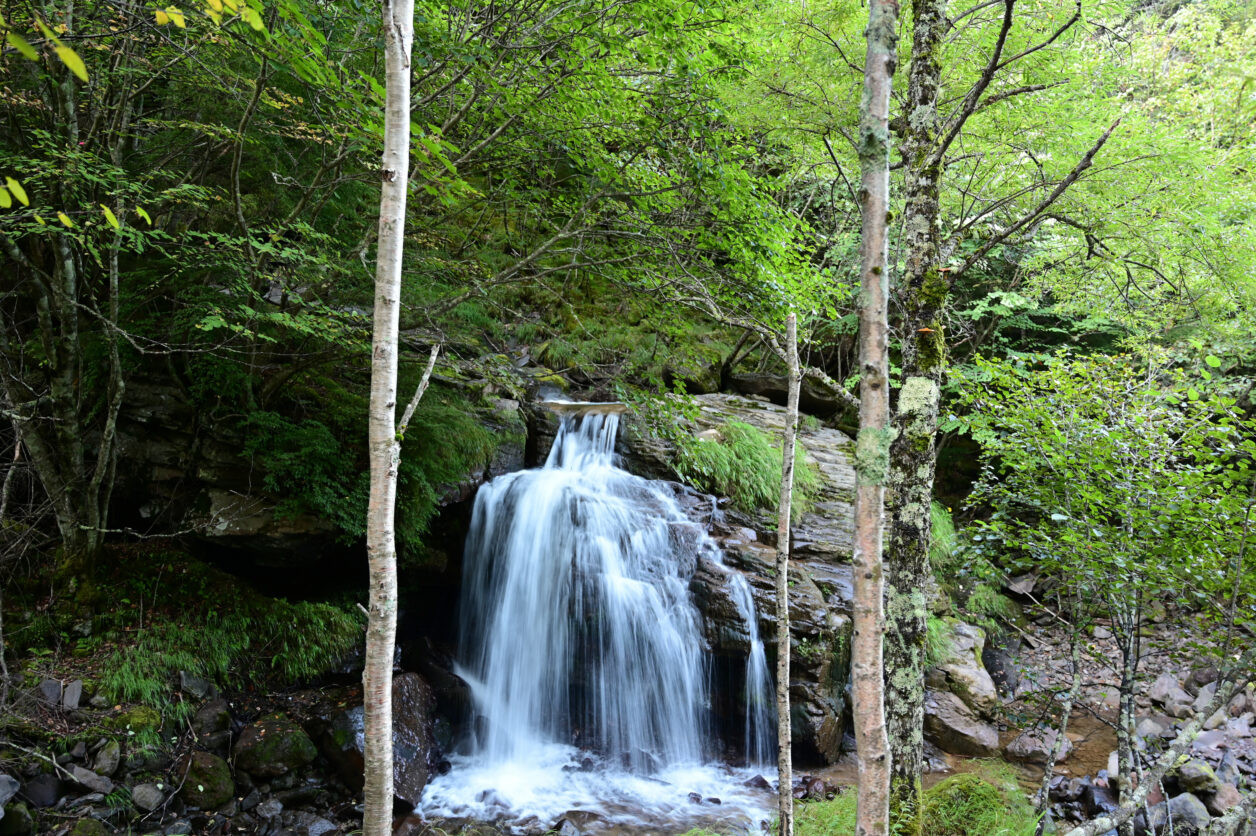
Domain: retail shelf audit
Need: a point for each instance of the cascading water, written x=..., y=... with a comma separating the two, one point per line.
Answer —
x=583, y=652
x=760, y=730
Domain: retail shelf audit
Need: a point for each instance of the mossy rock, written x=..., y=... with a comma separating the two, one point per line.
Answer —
x=18, y=820
x=140, y=719
x=89, y=827
x=273, y=746
x=208, y=784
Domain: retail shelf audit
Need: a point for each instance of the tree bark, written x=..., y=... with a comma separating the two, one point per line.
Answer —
x=873, y=445
x=784, y=754
x=385, y=448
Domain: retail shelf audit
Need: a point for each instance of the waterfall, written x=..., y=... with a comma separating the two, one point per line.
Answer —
x=760, y=726
x=582, y=647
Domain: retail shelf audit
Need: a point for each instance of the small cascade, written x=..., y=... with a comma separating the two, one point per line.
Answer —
x=583, y=650
x=760, y=733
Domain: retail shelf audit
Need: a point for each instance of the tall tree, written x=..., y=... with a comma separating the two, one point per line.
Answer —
x=872, y=451
x=926, y=137
x=784, y=754
x=385, y=447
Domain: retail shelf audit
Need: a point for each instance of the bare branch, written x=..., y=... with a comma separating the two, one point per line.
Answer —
x=418, y=393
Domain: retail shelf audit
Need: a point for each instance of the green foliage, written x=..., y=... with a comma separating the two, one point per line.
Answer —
x=938, y=641
x=1123, y=475
x=744, y=463
x=187, y=616
x=987, y=802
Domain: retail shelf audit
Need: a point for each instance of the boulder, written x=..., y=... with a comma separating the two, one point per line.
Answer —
x=1195, y=776
x=1222, y=799
x=339, y=735
x=273, y=746
x=147, y=797
x=1188, y=814
x=214, y=716
x=1034, y=746
x=955, y=728
x=89, y=779
x=17, y=821
x=8, y=788
x=963, y=674
x=42, y=790
x=206, y=779
x=107, y=759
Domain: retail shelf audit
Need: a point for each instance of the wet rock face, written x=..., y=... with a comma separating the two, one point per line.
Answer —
x=820, y=584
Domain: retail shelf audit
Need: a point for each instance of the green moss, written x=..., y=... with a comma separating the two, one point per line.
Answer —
x=906, y=807
x=986, y=802
x=744, y=464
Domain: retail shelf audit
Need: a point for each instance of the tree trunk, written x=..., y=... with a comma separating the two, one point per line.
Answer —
x=912, y=455
x=784, y=754
x=873, y=445
x=384, y=446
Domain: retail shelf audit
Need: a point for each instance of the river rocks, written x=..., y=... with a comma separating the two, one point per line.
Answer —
x=1169, y=694
x=1035, y=745
x=8, y=788
x=207, y=782
x=17, y=820
x=1188, y=814
x=42, y=790
x=273, y=746
x=955, y=727
x=93, y=782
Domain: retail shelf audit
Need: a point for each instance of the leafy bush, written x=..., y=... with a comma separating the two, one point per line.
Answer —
x=745, y=465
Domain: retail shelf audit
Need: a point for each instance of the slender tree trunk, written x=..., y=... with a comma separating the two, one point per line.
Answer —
x=784, y=754
x=384, y=446
x=913, y=455
x=872, y=451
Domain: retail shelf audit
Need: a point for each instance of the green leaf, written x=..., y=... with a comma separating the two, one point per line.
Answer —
x=20, y=44
x=1213, y=361
x=18, y=191
x=139, y=210
x=65, y=219
x=5, y=200
x=70, y=58
x=1192, y=393
x=110, y=217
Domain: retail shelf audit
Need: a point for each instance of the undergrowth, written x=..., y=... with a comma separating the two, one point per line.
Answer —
x=986, y=802
x=744, y=464
x=967, y=578
x=169, y=612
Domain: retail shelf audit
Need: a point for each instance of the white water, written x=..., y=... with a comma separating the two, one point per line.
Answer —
x=760, y=729
x=584, y=656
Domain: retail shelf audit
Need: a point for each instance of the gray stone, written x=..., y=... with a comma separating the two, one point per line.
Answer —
x=312, y=825
x=73, y=693
x=202, y=689
x=271, y=808
x=180, y=828
x=1034, y=746
x=1188, y=814
x=1147, y=727
x=50, y=692
x=42, y=790
x=953, y=726
x=1168, y=693
x=8, y=788
x=147, y=797
x=963, y=674
x=214, y=716
x=79, y=751
x=107, y=759
x=1206, y=693
x=273, y=746
x=94, y=782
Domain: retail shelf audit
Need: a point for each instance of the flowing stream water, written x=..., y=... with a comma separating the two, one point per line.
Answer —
x=584, y=654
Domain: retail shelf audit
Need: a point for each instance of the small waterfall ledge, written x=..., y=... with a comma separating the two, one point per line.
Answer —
x=583, y=650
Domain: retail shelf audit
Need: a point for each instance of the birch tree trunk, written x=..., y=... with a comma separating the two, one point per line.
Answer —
x=385, y=448
x=784, y=754
x=872, y=450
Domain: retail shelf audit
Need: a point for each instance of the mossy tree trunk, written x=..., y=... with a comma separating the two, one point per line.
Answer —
x=385, y=447
x=784, y=753
x=873, y=445
x=925, y=139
